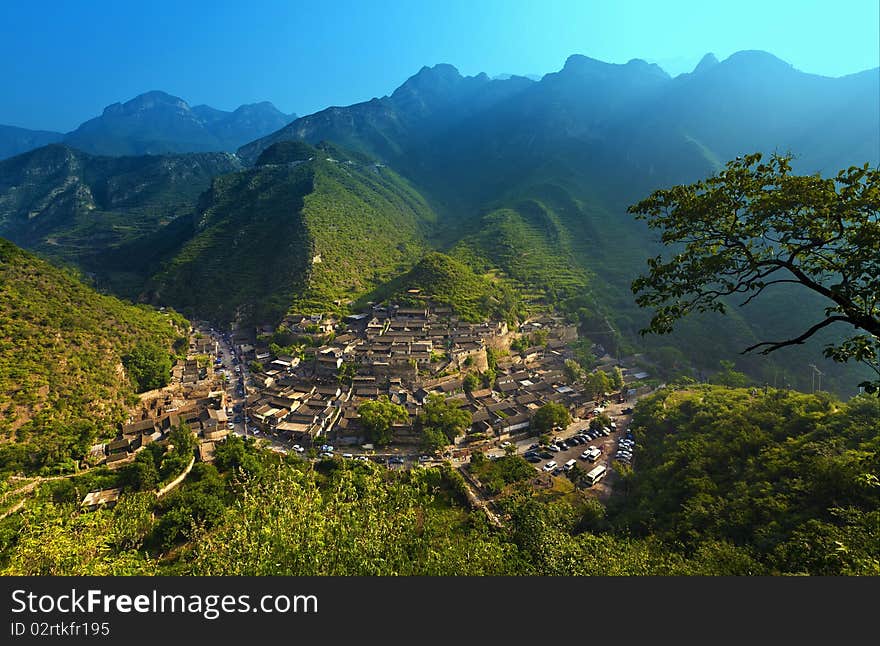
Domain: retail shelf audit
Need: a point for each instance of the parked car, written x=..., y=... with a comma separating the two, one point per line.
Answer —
x=347, y=455
x=298, y=448
x=550, y=466
x=395, y=459
x=534, y=447
x=424, y=458
x=554, y=448
x=545, y=455
x=505, y=444
x=327, y=447
x=534, y=459
x=326, y=454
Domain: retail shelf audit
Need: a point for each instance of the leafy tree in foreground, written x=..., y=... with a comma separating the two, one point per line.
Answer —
x=755, y=225
x=378, y=416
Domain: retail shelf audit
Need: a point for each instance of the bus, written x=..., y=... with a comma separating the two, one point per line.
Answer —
x=596, y=474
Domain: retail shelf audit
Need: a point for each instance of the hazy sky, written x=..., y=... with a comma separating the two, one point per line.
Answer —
x=61, y=61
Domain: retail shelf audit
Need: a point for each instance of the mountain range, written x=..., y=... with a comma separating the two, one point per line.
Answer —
x=155, y=123
x=523, y=183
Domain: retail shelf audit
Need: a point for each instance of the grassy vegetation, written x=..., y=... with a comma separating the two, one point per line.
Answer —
x=312, y=237
x=447, y=281
x=772, y=482
x=62, y=383
x=532, y=249
x=246, y=252
x=366, y=224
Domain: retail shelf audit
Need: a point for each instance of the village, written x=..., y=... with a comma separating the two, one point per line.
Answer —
x=308, y=401
x=406, y=354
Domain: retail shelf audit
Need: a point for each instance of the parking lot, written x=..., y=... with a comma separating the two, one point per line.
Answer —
x=608, y=445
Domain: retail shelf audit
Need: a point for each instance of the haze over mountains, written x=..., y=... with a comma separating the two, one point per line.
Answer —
x=523, y=182
x=155, y=123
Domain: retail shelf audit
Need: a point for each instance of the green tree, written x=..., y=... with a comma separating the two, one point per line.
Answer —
x=471, y=382
x=183, y=440
x=549, y=415
x=573, y=370
x=148, y=366
x=140, y=475
x=727, y=376
x=377, y=418
x=597, y=383
x=616, y=378
x=440, y=415
x=492, y=359
x=754, y=226
x=347, y=372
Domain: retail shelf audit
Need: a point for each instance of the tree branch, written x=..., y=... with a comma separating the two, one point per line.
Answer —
x=776, y=345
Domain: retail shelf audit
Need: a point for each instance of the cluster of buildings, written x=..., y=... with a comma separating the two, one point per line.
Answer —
x=194, y=397
x=406, y=354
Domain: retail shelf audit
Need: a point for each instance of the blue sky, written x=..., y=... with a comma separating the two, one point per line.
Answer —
x=62, y=61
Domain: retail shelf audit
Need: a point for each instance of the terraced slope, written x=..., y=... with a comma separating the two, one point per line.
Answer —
x=73, y=207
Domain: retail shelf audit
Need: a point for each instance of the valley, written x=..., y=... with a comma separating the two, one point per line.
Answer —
x=383, y=338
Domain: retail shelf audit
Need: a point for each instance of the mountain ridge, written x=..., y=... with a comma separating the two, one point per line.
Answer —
x=155, y=122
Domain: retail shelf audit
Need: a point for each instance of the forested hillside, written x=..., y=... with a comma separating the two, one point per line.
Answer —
x=78, y=208
x=312, y=234
x=62, y=381
x=771, y=481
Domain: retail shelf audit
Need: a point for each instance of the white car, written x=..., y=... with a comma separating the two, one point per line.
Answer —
x=298, y=448
x=347, y=455
x=505, y=444
x=550, y=466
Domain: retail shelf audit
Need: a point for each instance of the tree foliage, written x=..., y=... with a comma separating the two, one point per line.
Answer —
x=784, y=479
x=148, y=366
x=549, y=415
x=377, y=418
x=440, y=418
x=754, y=226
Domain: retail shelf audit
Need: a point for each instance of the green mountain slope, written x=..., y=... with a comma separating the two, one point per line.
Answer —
x=531, y=246
x=73, y=207
x=62, y=382
x=313, y=235
x=447, y=281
